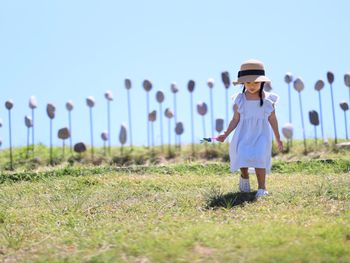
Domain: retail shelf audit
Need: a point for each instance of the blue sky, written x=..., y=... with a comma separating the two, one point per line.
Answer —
x=61, y=50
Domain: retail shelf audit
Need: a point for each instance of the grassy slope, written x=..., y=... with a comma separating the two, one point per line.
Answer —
x=189, y=212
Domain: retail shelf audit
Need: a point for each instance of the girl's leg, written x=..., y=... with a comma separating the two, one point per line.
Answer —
x=261, y=175
x=244, y=185
x=244, y=172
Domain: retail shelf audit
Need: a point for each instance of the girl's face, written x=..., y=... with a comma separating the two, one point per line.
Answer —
x=252, y=87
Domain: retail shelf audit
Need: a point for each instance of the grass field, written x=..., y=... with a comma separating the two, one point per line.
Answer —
x=188, y=212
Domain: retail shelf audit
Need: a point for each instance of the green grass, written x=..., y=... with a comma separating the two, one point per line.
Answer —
x=323, y=166
x=189, y=212
x=155, y=156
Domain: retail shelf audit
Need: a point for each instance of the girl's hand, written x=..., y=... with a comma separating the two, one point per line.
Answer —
x=280, y=145
x=221, y=138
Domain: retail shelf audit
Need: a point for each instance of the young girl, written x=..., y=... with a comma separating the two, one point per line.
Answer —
x=254, y=112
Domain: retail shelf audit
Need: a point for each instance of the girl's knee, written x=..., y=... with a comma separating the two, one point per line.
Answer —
x=260, y=171
x=244, y=172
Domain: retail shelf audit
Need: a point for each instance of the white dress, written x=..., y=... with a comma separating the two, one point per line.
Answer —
x=251, y=143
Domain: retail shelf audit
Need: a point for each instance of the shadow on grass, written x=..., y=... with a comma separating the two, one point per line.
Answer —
x=230, y=200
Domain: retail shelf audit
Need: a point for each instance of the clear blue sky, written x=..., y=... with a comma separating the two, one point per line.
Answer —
x=61, y=50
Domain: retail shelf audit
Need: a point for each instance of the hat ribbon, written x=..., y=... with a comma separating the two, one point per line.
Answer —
x=243, y=73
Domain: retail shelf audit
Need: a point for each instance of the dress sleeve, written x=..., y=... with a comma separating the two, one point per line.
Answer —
x=237, y=100
x=271, y=101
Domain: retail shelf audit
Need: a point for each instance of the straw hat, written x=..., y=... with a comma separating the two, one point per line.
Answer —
x=251, y=71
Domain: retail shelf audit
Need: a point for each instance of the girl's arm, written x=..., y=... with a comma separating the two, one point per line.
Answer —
x=274, y=124
x=231, y=126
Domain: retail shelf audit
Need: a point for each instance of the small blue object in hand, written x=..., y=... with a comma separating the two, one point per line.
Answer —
x=208, y=140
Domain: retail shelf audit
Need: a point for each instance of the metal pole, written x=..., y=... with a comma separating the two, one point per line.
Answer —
x=302, y=120
x=290, y=104
x=290, y=109
x=109, y=126
x=51, y=162
x=203, y=124
x=161, y=125
x=63, y=148
x=70, y=131
x=204, y=133
x=315, y=130
x=175, y=119
x=227, y=109
x=28, y=135
x=320, y=103
x=33, y=131
x=169, y=135
x=152, y=132
x=92, y=135
x=212, y=112
x=129, y=110
x=192, y=124
x=334, y=124
x=346, y=125
x=148, y=139
x=10, y=140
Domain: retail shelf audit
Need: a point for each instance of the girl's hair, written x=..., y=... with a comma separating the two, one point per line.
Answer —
x=260, y=92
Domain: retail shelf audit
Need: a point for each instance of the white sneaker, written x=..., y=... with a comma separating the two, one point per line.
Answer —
x=261, y=193
x=244, y=185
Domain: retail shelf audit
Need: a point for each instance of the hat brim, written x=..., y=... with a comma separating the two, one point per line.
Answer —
x=251, y=78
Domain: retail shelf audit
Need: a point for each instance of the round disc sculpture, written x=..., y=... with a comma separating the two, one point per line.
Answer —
x=179, y=130
x=123, y=136
x=147, y=85
x=287, y=131
x=9, y=106
x=104, y=137
x=127, y=83
x=347, y=82
x=80, y=148
x=90, y=102
x=219, y=125
x=69, y=107
x=160, y=99
x=313, y=117
x=63, y=134
x=190, y=87
x=318, y=87
x=299, y=86
x=174, y=89
x=152, y=117
x=50, y=110
x=330, y=78
x=225, y=77
x=267, y=86
x=109, y=98
x=202, y=110
x=345, y=107
x=29, y=124
x=33, y=104
x=169, y=114
x=210, y=83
